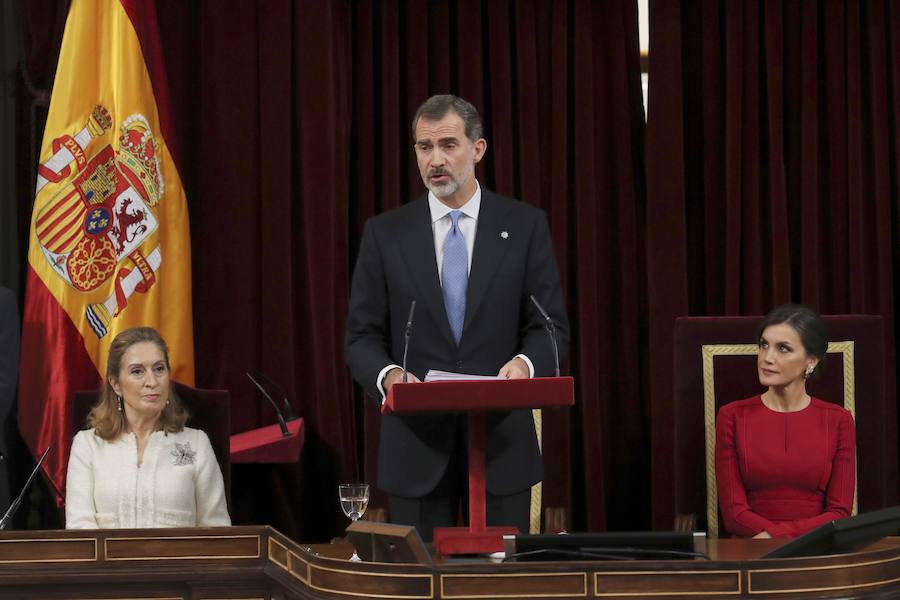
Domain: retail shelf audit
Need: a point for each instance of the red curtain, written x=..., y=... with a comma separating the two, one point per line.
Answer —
x=294, y=120
x=773, y=176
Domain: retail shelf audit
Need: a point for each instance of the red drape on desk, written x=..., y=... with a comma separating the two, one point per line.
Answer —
x=773, y=175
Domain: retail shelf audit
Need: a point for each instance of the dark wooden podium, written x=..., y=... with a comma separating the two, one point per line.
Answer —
x=253, y=563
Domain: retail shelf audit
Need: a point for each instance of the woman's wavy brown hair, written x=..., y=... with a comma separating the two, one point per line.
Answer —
x=105, y=418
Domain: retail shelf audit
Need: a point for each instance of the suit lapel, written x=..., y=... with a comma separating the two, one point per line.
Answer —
x=418, y=252
x=490, y=248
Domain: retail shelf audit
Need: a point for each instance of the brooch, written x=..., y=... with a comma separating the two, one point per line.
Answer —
x=504, y=235
x=183, y=455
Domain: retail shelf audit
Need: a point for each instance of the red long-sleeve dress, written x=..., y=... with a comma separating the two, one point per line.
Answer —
x=785, y=473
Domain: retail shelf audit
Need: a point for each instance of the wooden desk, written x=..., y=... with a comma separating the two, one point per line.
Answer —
x=260, y=563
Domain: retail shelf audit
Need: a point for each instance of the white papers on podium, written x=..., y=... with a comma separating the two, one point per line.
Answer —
x=434, y=375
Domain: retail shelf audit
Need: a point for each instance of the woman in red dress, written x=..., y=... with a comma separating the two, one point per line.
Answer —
x=785, y=462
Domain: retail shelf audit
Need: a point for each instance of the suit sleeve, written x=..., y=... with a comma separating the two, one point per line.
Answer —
x=841, y=485
x=737, y=516
x=368, y=320
x=542, y=280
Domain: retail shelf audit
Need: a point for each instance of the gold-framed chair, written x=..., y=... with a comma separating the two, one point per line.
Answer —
x=715, y=363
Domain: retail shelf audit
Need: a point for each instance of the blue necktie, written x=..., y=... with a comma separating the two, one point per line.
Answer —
x=455, y=276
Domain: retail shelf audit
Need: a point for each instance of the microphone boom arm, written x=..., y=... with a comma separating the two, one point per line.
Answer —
x=284, y=428
x=406, y=335
x=288, y=411
x=550, y=328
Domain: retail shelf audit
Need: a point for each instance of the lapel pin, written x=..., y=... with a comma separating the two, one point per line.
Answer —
x=504, y=235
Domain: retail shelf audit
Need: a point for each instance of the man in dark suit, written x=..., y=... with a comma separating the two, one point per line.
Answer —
x=9, y=373
x=470, y=259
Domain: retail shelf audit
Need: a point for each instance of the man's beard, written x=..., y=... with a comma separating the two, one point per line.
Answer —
x=444, y=189
x=451, y=187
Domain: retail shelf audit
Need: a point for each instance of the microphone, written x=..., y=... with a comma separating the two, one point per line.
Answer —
x=406, y=335
x=288, y=411
x=551, y=331
x=281, y=423
x=11, y=511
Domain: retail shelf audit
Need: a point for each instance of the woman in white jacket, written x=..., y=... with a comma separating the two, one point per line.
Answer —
x=138, y=465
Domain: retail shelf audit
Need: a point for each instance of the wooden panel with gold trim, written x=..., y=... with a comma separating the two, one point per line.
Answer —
x=290, y=571
x=370, y=583
x=278, y=553
x=198, y=547
x=840, y=575
x=48, y=550
x=514, y=585
x=692, y=583
x=298, y=567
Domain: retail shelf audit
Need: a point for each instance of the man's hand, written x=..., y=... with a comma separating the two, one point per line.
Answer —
x=396, y=376
x=762, y=535
x=514, y=369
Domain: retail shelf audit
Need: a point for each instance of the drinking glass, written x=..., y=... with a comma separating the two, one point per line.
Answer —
x=354, y=499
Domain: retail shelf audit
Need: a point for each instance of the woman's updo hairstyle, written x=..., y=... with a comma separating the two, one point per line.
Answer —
x=808, y=325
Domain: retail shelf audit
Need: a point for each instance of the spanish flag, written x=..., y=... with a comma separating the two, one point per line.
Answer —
x=110, y=242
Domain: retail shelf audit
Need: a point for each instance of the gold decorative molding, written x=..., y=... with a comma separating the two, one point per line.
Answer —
x=709, y=352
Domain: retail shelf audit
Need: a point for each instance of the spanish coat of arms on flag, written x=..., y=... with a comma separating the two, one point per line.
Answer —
x=110, y=245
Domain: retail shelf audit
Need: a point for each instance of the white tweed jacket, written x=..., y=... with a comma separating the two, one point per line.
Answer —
x=179, y=483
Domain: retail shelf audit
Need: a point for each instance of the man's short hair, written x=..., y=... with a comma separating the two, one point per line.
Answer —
x=437, y=106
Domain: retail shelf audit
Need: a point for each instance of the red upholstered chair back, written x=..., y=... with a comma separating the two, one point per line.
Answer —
x=715, y=363
x=209, y=410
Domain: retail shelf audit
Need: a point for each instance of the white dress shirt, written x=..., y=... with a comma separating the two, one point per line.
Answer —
x=441, y=223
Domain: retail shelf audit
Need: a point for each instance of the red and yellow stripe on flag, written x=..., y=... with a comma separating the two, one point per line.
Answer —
x=110, y=244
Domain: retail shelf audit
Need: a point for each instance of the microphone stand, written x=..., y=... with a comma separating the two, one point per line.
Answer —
x=550, y=328
x=285, y=432
x=11, y=511
x=288, y=411
x=406, y=335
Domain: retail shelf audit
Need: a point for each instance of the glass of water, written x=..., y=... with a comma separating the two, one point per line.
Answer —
x=354, y=499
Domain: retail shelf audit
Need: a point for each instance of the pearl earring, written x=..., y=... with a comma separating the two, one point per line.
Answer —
x=121, y=403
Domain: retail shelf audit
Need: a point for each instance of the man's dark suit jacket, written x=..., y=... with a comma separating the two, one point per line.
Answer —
x=512, y=258
x=9, y=374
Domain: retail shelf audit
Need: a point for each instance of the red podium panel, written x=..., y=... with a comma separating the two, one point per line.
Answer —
x=476, y=398
x=268, y=445
x=479, y=395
